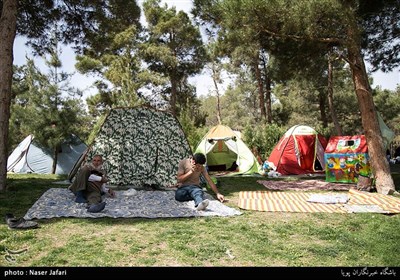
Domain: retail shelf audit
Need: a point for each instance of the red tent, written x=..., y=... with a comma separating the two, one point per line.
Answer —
x=299, y=151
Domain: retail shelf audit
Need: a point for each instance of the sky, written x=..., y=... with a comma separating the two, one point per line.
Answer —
x=203, y=83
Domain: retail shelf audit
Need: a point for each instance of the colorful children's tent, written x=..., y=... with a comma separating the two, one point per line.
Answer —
x=30, y=157
x=140, y=146
x=225, y=150
x=347, y=158
x=299, y=151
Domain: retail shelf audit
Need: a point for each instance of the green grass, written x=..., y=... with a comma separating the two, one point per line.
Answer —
x=252, y=239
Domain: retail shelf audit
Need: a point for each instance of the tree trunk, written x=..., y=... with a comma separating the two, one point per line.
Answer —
x=330, y=99
x=267, y=83
x=260, y=91
x=322, y=108
x=8, y=23
x=268, y=102
x=215, y=78
x=380, y=166
x=55, y=160
x=173, y=95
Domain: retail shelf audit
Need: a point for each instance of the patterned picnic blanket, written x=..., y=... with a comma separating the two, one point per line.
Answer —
x=287, y=201
x=59, y=202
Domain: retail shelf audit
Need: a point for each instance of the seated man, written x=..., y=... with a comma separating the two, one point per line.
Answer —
x=90, y=184
x=96, y=176
x=188, y=177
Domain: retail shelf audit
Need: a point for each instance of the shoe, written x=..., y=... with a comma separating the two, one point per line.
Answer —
x=10, y=218
x=202, y=205
x=80, y=198
x=20, y=223
x=95, y=208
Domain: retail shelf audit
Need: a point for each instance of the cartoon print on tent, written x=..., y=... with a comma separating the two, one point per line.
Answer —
x=346, y=159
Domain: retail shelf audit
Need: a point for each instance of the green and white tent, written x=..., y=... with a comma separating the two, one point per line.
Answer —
x=387, y=133
x=140, y=146
x=223, y=147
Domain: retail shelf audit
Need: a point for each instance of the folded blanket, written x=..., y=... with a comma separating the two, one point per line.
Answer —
x=329, y=198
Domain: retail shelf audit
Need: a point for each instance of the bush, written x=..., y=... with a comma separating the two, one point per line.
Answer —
x=262, y=138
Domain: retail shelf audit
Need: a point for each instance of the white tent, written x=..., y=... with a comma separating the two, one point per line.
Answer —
x=29, y=157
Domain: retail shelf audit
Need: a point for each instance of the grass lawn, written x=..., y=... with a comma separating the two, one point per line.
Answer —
x=256, y=239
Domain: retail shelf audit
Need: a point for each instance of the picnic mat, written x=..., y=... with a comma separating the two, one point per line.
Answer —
x=59, y=202
x=358, y=201
x=302, y=185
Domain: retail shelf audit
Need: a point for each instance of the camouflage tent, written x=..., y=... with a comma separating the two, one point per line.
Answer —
x=140, y=146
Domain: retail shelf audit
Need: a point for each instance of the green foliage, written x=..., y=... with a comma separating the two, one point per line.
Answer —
x=118, y=63
x=192, y=134
x=388, y=104
x=80, y=23
x=299, y=38
x=380, y=34
x=238, y=107
x=173, y=49
x=208, y=107
x=44, y=105
x=300, y=104
x=262, y=138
